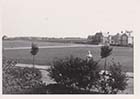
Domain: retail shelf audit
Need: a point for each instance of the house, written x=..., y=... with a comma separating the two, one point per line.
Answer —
x=90, y=38
x=130, y=39
x=121, y=39
x=98, y=38
x=127, y=38
x=116, y=39
x=110, y=41
x=124, y=39
x=106, y=39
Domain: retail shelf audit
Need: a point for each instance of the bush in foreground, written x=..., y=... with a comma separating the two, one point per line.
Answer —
x=74, y=72
x=17, y=80
x=113, y=81
x=76, y=75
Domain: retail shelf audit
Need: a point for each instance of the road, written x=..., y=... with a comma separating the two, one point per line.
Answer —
x=60, y=46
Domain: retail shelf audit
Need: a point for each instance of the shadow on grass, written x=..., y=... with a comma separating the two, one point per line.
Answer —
x=61, y=89
x=53, y=89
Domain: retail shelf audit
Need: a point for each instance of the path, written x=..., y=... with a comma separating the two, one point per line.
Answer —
x=61, y=46
x=45, y=67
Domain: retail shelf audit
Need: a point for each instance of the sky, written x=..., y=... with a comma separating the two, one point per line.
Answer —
x=67, y=18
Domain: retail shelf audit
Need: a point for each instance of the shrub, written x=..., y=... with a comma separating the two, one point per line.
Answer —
x=74, y=72
x=76, y=75
x=118, y=78
x=113, y=81
x=20, y=80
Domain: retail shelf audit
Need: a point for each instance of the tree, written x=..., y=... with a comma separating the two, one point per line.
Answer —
x=105, y=52
x=114, y=79
x=34, y=51
x=4, y=37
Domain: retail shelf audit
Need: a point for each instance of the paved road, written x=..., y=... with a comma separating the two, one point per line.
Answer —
x=61, y=46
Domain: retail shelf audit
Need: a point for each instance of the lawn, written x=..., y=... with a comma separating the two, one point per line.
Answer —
x=23, y=43
x=124, y=55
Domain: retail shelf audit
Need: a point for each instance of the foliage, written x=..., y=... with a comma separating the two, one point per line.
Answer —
x=20, y=80
x=4, y=37
x=74, y=72
x=113, y=80
x=77, y=75
x=119, y=78
x=34, y=49
x=62, y=89
x=105, y=51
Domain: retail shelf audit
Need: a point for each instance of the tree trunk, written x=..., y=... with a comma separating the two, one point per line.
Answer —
x=33, y=61
x=105, y=65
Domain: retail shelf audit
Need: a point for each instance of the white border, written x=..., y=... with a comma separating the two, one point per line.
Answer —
x=136, y=74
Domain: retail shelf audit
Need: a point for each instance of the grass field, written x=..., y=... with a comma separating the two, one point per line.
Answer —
x=124, y=55
x=23, y=43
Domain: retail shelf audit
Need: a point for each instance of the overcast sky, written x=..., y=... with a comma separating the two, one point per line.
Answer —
x=61, y=18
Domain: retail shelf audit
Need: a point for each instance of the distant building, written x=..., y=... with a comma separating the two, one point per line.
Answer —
x=98, y=38
x=90, y=37
x=116, y=39
x=124, y=39
x=130, y=39
x=110, y=41
x=106, y=39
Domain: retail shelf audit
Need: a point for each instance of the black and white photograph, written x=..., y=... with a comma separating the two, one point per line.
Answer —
x=68, y=47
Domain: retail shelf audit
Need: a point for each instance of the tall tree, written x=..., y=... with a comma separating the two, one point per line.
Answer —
x=34, y=51
x=105, y=52
x=3, y=37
